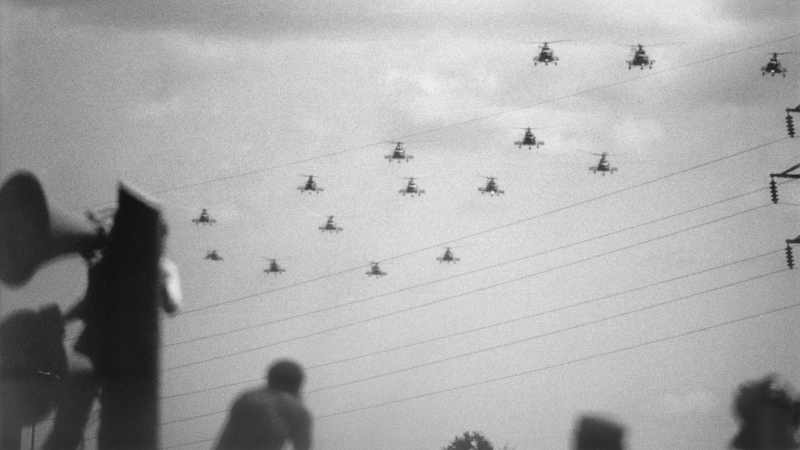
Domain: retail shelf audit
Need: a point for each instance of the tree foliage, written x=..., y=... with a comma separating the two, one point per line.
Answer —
x=470, y=441
x=769, y=415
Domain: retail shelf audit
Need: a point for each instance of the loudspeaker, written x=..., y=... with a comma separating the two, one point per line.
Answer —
x=31, y=234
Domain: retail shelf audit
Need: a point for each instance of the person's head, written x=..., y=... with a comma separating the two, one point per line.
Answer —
x=285, y=375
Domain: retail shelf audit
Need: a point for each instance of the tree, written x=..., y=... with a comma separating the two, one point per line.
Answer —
x=769, y=415
x=470, y=441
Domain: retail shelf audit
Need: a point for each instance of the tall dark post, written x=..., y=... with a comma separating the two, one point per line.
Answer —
x=128, y=360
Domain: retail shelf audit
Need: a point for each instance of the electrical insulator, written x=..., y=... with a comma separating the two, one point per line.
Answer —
x=789, y=258
x=773, y=189
x=790, y=125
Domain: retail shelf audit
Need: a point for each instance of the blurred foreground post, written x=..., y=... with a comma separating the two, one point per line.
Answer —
x=127, y=361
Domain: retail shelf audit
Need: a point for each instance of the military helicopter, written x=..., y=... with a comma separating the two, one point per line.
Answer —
x=546, y=55
x=774, y=66
x=640, y=58
x=603, y=166
x=399, y=153
x=375, y=270
x=491, y=187
x=412, y=189
x=331, y=226
x=204, y=218
x=529, y=139
x=213, y=255
x=310, y=186
x=273, y=267
x=448, y=256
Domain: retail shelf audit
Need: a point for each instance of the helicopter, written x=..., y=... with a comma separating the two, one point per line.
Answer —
x=375, y=270
x=774, y=66
x=640, y=58
x=603, y=166
x=399, y=153
x=412, y=188
x=491, y=187
x=546, y=55
x=310, y=186
x=529, y=139
x=204, y=218
x=331, y=226
x=213, y=255
x=448, y=256
x=273, y=267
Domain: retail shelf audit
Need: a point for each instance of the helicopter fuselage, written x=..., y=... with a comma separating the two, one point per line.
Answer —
x=603, y=166
x=330, y=225
x=640, y=59
x=773, y=67
x=491, y=188
x=204, y=219
x=399, y=154
x=529, y=139
x=376, y=270
x=412, y=189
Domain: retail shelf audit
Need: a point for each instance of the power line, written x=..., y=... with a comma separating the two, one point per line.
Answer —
x=317, y=333
x=505, y=322
x=538, y=336
x=537, y=370
x=489, y=230
x=574, y=327
x=494, y=266
x=528, y=372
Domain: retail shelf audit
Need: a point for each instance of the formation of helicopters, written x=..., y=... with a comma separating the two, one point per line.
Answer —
x=641, y=59
x=330, y=225
x=545, y=56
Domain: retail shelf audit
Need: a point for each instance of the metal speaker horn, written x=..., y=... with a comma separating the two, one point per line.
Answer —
x=32, y=234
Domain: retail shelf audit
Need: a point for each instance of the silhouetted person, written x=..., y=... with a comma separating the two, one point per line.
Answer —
x=597, y=433
x=266, y=417
x=769, y=416
x=32, y=366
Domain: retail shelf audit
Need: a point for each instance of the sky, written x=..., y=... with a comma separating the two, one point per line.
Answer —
x=647, y=296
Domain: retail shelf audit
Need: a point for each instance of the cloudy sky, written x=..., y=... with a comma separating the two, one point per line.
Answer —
x=648, y=295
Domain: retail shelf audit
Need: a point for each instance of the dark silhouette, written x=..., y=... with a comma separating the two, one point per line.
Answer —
x=266, y=417
x=470, y=441
x=597, y=433
x=769, y=416
x=32, y=366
